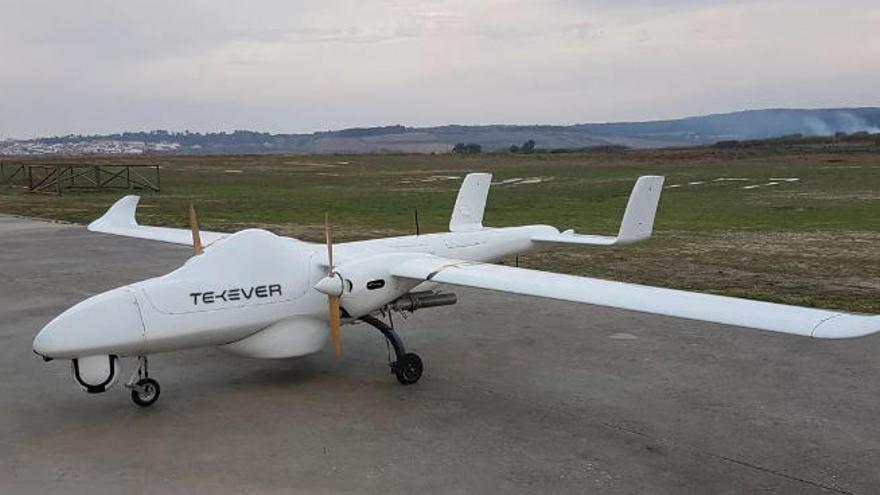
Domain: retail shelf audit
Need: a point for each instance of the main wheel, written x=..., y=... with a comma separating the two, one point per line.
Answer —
x=145, y=392
x=408, y=369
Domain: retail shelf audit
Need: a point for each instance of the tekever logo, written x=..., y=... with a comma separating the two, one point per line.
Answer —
x=236, y=294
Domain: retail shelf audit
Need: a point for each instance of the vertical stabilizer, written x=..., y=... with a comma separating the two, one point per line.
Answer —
x=638, y=219
x=119, y=216
x=471, y=203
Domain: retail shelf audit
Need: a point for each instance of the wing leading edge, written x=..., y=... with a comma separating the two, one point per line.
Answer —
x=772, y=317
x=120, y=220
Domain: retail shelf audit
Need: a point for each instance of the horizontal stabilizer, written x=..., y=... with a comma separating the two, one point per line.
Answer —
x=120, y=220
x=638, y=219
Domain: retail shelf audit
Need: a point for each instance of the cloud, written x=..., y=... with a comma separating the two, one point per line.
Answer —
x=100, y=66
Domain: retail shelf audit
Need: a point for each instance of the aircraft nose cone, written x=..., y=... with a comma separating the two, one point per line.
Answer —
x=46, y=342
x=109, y=323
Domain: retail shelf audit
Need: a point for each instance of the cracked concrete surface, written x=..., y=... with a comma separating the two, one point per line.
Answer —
x=521, y=395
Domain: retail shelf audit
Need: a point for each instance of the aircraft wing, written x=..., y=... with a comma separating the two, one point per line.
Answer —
x=773, y=317
x=120, y=220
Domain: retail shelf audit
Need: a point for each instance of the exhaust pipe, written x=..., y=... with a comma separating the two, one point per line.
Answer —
x=419, y=300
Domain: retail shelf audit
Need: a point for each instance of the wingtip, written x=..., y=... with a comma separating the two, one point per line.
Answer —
x=847, y=326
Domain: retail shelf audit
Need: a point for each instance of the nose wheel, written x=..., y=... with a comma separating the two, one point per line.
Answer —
x=144, y=390
x=408, y=366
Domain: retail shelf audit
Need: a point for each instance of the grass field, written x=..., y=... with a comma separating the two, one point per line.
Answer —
x=721, y=228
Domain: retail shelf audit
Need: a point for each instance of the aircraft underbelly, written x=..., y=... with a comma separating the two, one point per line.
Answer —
x=292, y=337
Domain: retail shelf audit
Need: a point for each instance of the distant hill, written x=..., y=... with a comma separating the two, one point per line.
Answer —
x=708, y=129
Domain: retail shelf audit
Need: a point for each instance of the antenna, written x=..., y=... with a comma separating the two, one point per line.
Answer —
x=416, y=212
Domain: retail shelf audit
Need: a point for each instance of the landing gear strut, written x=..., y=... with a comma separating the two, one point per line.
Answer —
x=408, y=367
x=144, y=390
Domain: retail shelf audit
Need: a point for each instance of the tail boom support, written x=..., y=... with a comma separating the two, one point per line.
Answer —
x=120, y=220
x=637, y=224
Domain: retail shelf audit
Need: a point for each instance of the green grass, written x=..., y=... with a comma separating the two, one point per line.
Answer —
x=812, y=242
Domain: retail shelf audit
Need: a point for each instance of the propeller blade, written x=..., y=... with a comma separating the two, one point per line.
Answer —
x=194, y=225
x=328, y=235
x=334, y=300
x=334, y=324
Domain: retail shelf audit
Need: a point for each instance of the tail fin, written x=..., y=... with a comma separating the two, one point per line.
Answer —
x=120, y=215
x=471, y=203
x=638, y=219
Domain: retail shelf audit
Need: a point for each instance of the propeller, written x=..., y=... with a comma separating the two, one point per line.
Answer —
x=333, y=298
x=194, y=225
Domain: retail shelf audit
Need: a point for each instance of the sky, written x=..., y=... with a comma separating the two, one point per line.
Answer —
x=92, y=66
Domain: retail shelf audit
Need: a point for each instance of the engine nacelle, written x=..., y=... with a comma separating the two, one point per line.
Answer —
x=95, y=374
x=368, y=285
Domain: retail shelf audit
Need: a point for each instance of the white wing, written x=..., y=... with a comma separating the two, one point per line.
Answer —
x=796, y=320
x=119, y=220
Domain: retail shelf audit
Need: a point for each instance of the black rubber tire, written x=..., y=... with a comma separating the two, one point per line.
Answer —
x=146, y=385
x=408, y=369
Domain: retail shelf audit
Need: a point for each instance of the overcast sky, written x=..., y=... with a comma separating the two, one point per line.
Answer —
x=299, y=66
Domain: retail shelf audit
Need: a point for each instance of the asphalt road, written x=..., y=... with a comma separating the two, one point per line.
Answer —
x=520, y=395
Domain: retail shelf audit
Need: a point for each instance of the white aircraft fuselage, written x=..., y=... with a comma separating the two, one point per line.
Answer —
x=261, y=288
